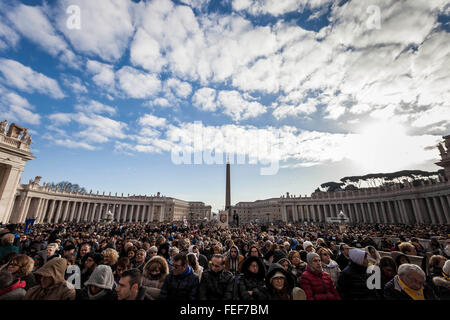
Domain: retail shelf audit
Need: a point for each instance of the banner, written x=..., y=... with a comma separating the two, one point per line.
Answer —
x=28, y=225
x=223, y=219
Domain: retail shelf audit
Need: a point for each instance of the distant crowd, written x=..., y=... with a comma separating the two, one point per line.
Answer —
x=173, y=261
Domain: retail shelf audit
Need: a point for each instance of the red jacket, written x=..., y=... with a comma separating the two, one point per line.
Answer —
x=318, y=286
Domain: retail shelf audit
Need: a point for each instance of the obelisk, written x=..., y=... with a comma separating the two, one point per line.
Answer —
x=227, y=192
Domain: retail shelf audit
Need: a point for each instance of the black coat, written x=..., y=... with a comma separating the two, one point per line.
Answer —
x=442, y=288
x=203, y=261
x=249, y=281
x=352, y=283
x=216, y=286
x=342, y=261
x=393, y=291
x=182, y=287
x=268, y=293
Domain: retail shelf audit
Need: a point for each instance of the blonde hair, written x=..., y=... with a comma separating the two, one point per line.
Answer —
x=112, y=254
x=25, y=263
x=7, y=238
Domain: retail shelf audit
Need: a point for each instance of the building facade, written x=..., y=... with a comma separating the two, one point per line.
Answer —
x=426, y=203
x=21, y=201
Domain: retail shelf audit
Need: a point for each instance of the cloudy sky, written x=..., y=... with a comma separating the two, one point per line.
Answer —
x=111, y=89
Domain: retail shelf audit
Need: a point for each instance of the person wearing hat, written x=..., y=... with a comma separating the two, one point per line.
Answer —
x=352, y=282
x=316, y=283
x=442, y=282
x=307, y=247
x=10, y=288
x=279, y=286
x=100, y=286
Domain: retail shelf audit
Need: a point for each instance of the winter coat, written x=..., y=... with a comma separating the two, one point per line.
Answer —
x=318, y=285
x=333, y=270
x=298, y=270
x=102, y=277
x=393, y=291
x=249, y=281
x=268, y=292
x=342, y=261
x=83, y=294
x=352, y=283
x=216, y=286
x=154, y=285
x=16, y=291
x=442, y=288
x=181, y=287
x=30, y=281
x=59, y=290
x=203, y=261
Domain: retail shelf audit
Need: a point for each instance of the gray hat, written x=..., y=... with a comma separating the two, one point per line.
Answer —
x=101, y=277
x=310, y=256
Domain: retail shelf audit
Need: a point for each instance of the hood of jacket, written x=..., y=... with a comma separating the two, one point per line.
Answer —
x=55, y=268
x=163, y=266
x=238, y=251
x=101, y=277
x=273, y=269
x=261, y=268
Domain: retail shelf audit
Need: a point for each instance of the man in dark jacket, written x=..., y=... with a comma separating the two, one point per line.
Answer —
x=352, y=282
x=343, y=258
x=409, y=284
x=217, y=283
x=181, y=283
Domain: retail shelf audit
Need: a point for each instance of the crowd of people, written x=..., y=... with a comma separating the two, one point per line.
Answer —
x=173, y=261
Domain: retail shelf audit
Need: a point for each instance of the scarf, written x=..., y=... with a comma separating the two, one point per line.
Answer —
x=18, y=284
x=445, y=276
x=414, y=294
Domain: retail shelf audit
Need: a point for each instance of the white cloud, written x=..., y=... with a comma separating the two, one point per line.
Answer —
x=137, y=84
x=179, y=88
x=145, y=52
x=93, y=106
x=32, y=23
x=24, y=78
x=106, y=27
x=69, y=143
x=75, y=84
x=238, y=108
x=8, y=37
x=276, y=7
x=286, y=110
x=16, y=108
x=60, y=118
x=152, y=121
x=204, y=99
x=103, y=74
x=162, y=102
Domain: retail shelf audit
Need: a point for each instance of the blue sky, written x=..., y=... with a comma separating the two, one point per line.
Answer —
x=323, y=89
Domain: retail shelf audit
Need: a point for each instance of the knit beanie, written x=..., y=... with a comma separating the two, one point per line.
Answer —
x=310, y=256
x=357, y=256
x=446, y=267
x=306, y=244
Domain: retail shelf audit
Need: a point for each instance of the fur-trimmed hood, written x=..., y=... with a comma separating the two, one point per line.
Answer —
x=163, y=266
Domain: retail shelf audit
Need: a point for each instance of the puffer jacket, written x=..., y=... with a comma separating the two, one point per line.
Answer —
x=250, y=281
x=55, y=269
x=352, y=283
x=216, y=286
x=442, y=288
x=182, y=287
x=16, y=291
x=318, y=285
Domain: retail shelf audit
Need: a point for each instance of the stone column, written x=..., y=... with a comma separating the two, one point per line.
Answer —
x=294, y=213
x=79, y=212
x=24, y=211
x=369, y=212
x=66, y=210
x=433, y=217
x=440, y=213
x=72, y=211
x=43, y=211
x=302, y=214
x=383, y=212
x=446, y=207
x=9, y=184
x=417, y=213
x=283, y=213
x=51, y=212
